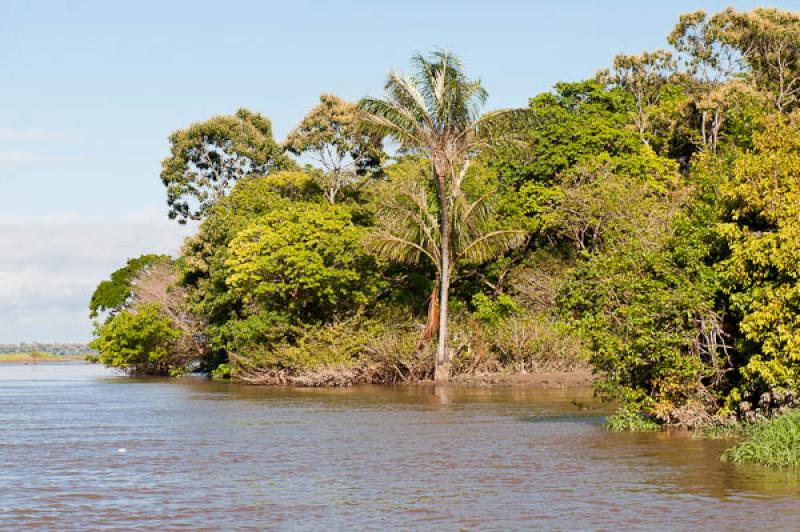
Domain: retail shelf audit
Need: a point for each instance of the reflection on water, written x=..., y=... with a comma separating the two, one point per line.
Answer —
x=216, y=455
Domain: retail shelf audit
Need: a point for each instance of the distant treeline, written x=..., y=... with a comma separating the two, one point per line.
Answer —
x=55, y=349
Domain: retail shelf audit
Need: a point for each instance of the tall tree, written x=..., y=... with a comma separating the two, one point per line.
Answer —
x=207, y=158
x=436, y=112
x=333, y=137
x=644, y=76
x=767, y=41
x=408, y=229
x=713, y=70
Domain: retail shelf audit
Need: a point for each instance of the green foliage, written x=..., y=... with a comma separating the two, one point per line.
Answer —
x=307, y=258
x=639, y=305
x=771, y=443
x=492, y=310
x=577, y=121
x=112, y=295
x=139, y=341
x=203, y=267
x=355, y=350
x=761, y=275
x=333, y=135
x=221, y=372
x=207, y=159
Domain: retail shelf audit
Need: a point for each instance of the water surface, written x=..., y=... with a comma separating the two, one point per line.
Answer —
x=204, y=455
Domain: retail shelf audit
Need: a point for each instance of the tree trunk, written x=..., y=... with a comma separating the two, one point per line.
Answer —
x=442, y=367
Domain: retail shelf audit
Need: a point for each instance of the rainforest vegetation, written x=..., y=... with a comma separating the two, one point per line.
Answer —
x=644, y=223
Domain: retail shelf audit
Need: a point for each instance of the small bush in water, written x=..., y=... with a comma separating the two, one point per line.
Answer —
x=627, y=420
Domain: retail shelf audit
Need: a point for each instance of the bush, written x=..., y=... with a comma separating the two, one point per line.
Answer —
x=139, y=341
x=772, y=443
x=647, y=311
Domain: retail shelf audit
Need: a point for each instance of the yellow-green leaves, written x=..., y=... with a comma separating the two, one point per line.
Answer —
x=304, y=257
x=140, y=341
x=763, y=236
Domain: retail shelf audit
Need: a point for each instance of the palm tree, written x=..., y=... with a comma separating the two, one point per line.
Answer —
x=436, y=112
x=408, y=229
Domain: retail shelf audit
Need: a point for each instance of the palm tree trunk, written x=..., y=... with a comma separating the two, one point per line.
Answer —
x=442, y=367
x=442, y=370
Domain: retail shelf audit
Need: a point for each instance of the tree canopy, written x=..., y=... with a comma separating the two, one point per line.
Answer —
x=207, y=158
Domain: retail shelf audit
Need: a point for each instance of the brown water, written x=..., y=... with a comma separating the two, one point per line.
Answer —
x=204, y=455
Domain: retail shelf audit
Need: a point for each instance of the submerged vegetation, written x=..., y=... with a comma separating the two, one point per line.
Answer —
x=644, y=222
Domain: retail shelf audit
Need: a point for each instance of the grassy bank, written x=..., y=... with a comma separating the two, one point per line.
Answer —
x=37, y=357
x=771, y=443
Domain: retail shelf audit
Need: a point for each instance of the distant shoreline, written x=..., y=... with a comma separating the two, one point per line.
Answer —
x=33, y=358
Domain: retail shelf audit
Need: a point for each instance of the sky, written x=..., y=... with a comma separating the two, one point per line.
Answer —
x=90, y=91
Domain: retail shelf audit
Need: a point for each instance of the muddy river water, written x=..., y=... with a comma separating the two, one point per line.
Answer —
x=205, y=455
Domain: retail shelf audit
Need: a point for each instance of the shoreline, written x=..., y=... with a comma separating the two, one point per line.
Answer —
x=546, y=380
x=29, y=358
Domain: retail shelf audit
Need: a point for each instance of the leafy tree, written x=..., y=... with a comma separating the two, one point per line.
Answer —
x=761, y=274
x=207, y=158
x=713, y=69
x=602, y=200
x=646, y=77
x=305, y=257
x=335, y=138
x=767, y=41
x=115, y=294
x=576, y=121
x=146, y=285
x=647, y=308
x=436, y=112
x=202, y=267
x=141, y=340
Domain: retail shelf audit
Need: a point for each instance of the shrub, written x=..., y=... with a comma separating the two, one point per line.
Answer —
x=139, y=341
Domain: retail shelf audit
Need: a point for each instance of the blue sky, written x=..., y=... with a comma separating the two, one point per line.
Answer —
x=89, y=92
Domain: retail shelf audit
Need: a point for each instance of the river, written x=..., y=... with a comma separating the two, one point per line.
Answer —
x=205, y=455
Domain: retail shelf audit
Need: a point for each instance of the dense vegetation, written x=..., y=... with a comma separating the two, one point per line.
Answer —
x=644, y=222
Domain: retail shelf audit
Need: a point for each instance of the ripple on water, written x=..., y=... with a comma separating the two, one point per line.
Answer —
x=216, y=455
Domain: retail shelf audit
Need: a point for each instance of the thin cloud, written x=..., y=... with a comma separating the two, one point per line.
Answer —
x=17, y=157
